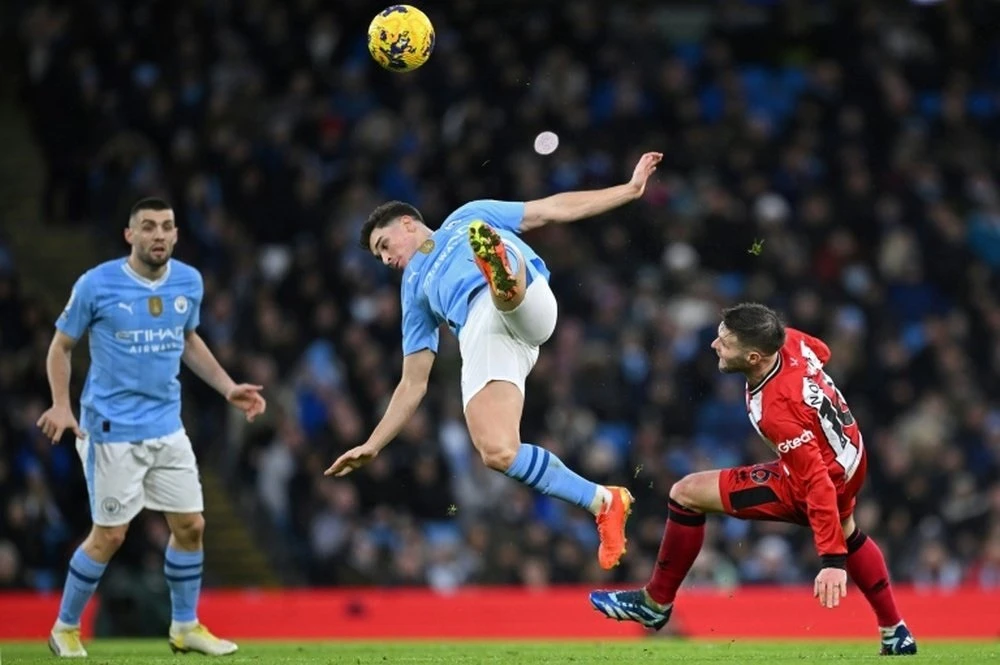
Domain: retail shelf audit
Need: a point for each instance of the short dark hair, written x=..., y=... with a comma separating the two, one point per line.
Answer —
x=383, y=216
x=149, y=203
x=755, y=326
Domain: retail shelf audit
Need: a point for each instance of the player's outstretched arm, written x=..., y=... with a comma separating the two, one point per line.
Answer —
x=573, y=206
x=806, y=465
x=797, y=439
x=405, y=399
x=58, y=366
x=202, y=361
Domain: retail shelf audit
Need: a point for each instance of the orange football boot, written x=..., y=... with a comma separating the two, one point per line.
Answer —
x=611, y=527
x=491, y=258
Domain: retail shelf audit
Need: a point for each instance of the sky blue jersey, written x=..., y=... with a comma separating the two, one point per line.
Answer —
x=438, y=285
x=137, y=328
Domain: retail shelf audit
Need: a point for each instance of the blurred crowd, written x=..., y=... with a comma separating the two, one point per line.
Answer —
x=838, y=161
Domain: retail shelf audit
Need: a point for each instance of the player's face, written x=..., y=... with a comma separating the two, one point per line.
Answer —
x=152, y=234
x=732, y=356
x=395, y=244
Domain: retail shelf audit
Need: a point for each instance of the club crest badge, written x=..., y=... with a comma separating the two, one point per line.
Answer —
x=111, y=506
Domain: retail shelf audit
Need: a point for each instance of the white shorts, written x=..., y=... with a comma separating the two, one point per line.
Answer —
x=503, y=346
x=123, y=478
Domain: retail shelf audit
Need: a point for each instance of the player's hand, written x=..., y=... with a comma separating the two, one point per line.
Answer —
x=56, y=421
x=830, y=586
x=247, y=398
x=645, y=168
x=355, y=458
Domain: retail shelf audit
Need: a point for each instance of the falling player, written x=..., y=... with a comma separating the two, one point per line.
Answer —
x=796, y=408
x=491, y=289
x=141, y=313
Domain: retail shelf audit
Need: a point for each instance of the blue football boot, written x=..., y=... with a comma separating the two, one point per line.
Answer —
x=898, y=641
x=632, y=605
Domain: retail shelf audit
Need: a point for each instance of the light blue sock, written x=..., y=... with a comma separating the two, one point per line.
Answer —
x=183, y=573
x=81, y=582
x=541, y=470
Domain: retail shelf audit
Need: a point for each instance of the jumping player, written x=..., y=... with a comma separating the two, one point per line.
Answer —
x=475, y=275
x=798, y=411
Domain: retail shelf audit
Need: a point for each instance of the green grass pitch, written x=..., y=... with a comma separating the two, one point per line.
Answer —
x=136, y=652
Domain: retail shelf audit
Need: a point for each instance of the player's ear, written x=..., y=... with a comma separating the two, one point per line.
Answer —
x=128, y=234
x=408, y=224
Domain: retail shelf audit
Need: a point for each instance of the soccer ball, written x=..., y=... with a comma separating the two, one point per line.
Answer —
x=401, y=38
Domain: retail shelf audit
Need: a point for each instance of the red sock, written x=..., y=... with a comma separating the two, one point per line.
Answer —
x=682, y=539
x=866, y=566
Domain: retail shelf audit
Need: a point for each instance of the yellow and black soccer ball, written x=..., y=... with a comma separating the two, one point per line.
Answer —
x=401, y=38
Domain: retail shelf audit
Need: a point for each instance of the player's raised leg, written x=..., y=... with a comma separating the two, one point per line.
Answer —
x=182, y=567
x=86, y=567
x=493, y=415
x=501, y=265
x=866, y=566
x=690, y=499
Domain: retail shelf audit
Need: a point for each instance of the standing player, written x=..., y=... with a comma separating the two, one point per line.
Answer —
x=798, y=411
x=141, y=313
x=445, y=278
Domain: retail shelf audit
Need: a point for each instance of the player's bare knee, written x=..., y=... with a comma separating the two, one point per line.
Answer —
x=188, y=529
x=685, y=492
x=108, y=539
x=699, y=492
x=497, y=445
x=498, y=456
x=677, y=491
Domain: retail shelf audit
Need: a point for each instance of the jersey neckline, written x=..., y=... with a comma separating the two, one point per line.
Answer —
x=770, y=375
x=145, y=281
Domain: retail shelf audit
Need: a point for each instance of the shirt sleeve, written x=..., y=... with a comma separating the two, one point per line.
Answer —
x=798, y=446
x=78, y=314
x=420, y=328
x=194, y=311
x=505, y=215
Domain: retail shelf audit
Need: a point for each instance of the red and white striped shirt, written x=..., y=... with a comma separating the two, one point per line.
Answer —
x=799, y=412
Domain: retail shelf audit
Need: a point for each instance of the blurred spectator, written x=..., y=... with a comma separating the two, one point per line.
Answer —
x=11, y=571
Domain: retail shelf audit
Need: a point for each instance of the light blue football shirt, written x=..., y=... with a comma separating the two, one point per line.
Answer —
x=136, y=328
x=437, y=286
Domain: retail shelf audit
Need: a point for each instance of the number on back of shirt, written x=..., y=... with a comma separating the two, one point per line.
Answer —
x=834, y=416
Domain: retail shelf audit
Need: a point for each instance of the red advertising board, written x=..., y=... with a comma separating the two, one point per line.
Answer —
x=561, y=613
